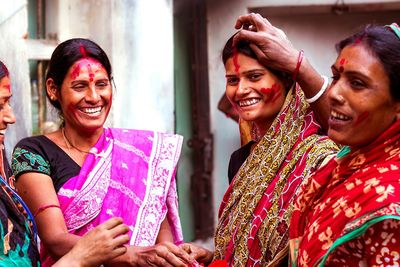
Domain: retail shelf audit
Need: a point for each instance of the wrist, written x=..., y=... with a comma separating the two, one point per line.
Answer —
x=296, y=71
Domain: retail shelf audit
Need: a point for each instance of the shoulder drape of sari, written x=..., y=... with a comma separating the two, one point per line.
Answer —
x=255, y=211
x=130, y=174
x=342, y=199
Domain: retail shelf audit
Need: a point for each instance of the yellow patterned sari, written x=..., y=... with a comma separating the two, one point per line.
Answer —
x=255, y=212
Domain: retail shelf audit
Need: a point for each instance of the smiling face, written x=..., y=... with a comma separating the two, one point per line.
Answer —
x=6, y=113
x=85, y=96
x=255, y=92
x=361, y=104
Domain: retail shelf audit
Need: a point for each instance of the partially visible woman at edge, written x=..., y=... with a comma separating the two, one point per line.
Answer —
x=82, y=174
x=348, y=213
x=18, y=245
x=266, y=173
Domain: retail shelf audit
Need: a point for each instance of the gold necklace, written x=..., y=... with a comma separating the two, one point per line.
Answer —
x=69, y=144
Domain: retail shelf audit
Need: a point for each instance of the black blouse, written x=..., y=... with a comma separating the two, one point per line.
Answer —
x=40, y=154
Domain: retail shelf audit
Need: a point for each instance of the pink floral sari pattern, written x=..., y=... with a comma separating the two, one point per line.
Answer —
x=130, y=174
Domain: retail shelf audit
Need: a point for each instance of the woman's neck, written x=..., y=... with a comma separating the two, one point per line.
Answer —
x=260, y=129
x=83, y=141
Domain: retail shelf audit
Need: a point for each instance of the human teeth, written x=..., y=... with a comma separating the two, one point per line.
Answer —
x=248, y=102
x=3, y=132
x=339, y=116
x=92, y=110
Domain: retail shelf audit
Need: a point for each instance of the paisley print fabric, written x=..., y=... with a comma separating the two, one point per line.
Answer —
x=346, y=197
x=254, y=215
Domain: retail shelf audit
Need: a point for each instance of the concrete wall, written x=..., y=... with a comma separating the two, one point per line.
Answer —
x=13, y=52
x=142, y=58
x=308, y=30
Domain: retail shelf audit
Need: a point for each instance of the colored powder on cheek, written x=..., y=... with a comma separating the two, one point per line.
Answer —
x=82, y=50
x=273, y=93
x=361, y=118
x=277, y=95
x=76, y=71
x=235, y=60
x=7, y=87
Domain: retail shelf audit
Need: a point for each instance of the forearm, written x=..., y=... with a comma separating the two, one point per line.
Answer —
x=60, y=244
x=311, y=82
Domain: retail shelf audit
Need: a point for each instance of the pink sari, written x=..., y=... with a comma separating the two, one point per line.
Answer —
x=130, y=174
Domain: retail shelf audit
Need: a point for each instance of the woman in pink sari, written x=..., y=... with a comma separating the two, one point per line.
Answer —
x=83, y=174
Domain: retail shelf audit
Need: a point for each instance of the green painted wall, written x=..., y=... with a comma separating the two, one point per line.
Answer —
x=183, y=123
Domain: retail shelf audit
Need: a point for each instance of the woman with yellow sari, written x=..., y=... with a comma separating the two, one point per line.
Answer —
x=266, y=173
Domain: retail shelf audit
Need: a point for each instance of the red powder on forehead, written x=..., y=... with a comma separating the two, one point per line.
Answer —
x=82, y=49
x=76, y=71
x=342, y=61
x=91, y=74
x=81, y=64
x=235, y=60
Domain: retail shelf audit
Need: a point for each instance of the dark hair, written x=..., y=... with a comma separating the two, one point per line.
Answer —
x=67, y=53
x=3, y=70
x=383, y=43
x=243, y=47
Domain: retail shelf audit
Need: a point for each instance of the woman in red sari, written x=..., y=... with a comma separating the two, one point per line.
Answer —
x=348, y=213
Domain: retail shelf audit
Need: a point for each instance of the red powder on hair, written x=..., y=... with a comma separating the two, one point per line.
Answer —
x=83, y=50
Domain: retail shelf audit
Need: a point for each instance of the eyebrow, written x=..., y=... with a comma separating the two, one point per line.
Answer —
x=86, y=81
x=245, y=72
x=357, y=73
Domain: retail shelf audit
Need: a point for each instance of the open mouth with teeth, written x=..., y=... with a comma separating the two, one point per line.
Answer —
x=248, y=102
x=92, y=111
x=338, y=116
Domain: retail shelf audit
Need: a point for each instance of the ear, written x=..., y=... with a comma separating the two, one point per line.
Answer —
x=51, y=89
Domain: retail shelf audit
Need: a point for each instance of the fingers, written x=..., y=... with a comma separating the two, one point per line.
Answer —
x=259, y=53
x=169, y=253
x=111, y=223
x=258, y=22
x=119, y=230
x=118, y=251
x=186, y=247
x=120, y=240
x=250, y=36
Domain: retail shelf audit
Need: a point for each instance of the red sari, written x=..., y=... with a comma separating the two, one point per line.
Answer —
x=347, y=198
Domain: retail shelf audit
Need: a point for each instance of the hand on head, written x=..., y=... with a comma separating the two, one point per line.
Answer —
x=269, y=43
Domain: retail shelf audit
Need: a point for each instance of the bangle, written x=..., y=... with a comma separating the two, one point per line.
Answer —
x=44, y=208
x=320, y=92
x=299, y=60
